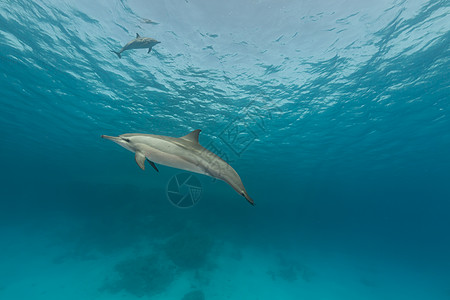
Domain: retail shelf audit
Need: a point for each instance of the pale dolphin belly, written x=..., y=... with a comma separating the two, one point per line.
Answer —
x=174, y=161
x=171, y=155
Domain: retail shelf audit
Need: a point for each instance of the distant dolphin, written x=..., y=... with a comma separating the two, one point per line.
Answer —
x=148, y=21
x=183, y=153
x=138, y=43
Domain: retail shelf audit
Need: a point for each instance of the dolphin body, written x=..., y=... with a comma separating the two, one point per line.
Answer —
x=148, y=21
x=138, y=43
x=183, y=153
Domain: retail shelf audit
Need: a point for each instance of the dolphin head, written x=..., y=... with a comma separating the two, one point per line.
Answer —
x=121, y=140
x=149, y=42
x=232, y=178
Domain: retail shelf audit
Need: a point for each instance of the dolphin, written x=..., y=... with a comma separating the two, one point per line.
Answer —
x=138, y=43
x=184, y=153
x=148, y=21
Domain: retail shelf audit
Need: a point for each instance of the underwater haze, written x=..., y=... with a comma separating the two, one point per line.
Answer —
x=335, y=114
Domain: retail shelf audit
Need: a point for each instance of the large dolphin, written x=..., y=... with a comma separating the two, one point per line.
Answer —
x=183, y=153
x=138, y=43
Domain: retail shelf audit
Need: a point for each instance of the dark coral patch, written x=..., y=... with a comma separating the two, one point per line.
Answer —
x=194, y=295
x=142, y=276
x=188, y=250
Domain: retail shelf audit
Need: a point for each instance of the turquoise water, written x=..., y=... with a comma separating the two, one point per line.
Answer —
x=336, y=115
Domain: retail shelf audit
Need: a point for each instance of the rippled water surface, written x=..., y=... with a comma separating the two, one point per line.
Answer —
x=335, y=114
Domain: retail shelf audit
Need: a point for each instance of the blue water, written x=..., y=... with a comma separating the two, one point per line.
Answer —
x=336, y=115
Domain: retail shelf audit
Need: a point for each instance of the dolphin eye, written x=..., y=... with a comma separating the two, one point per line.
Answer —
x=126, y=140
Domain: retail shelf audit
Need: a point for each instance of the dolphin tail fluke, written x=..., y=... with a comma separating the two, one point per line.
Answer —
x=250, y=200
x=118, y=53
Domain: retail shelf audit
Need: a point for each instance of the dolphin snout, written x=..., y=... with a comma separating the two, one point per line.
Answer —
x=112, y=138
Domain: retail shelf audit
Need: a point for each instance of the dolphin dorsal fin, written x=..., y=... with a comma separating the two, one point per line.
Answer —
x=137, y=35
x=192, y=136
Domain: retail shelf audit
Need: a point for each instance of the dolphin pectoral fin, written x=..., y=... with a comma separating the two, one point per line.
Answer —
x=149, y=49
x=153, y=165
x=140, y=160
x=137, y=35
